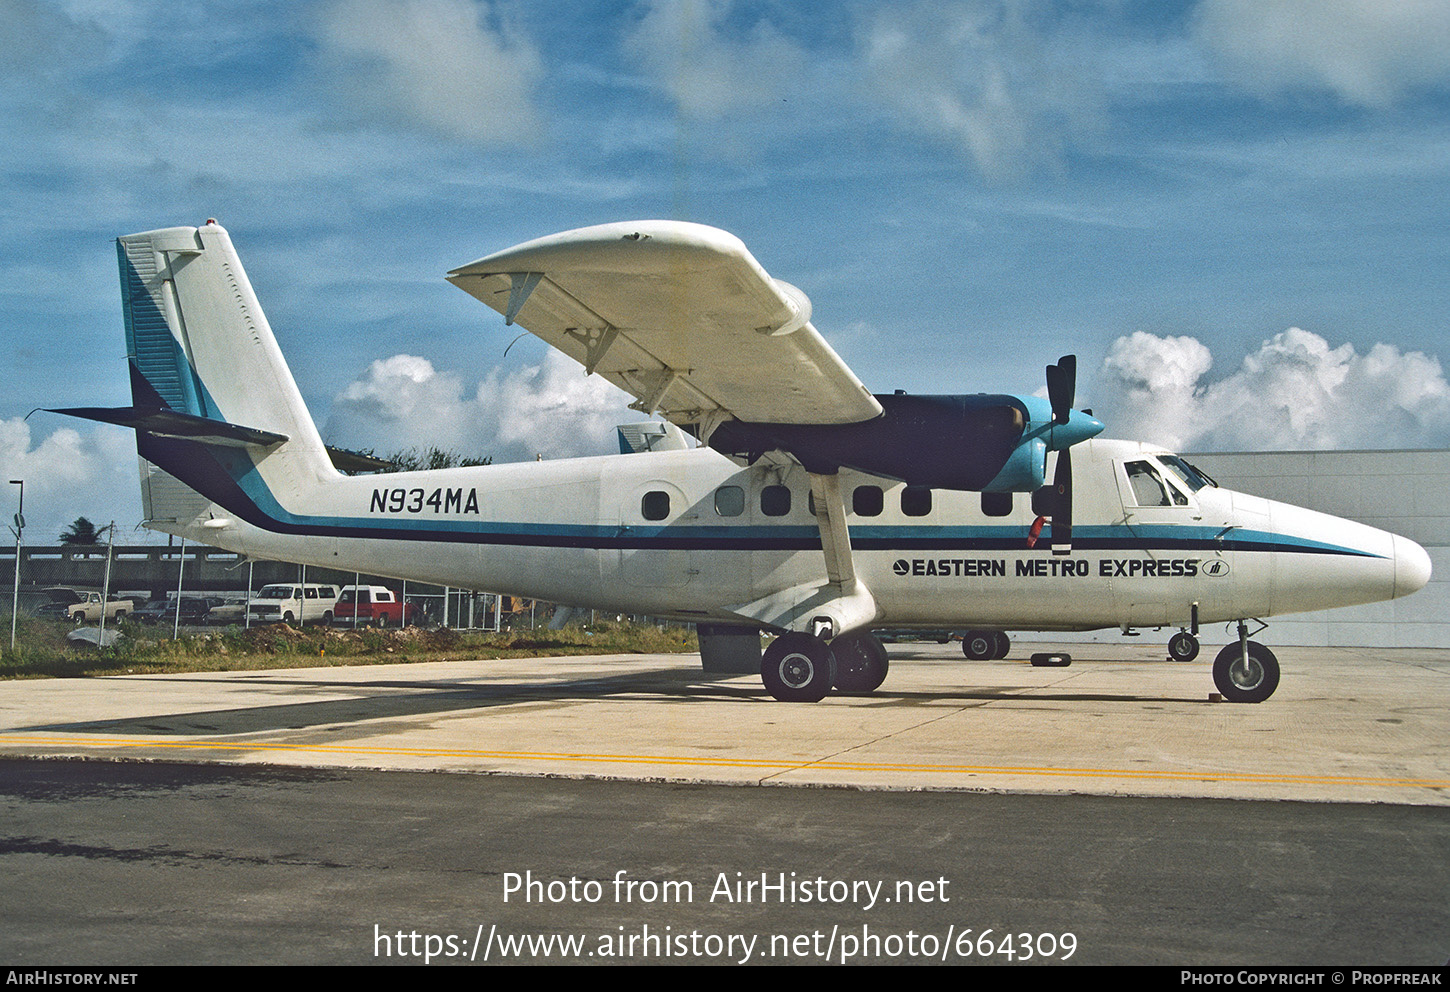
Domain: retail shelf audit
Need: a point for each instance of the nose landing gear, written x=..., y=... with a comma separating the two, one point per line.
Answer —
x=1183, y=646
x=1246, y=671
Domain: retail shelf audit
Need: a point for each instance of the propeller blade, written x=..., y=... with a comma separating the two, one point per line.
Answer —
x=1062, y=512
x=1062, y=387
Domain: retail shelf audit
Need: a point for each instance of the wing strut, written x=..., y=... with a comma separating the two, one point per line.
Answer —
x=851, y=604
x=835, y=536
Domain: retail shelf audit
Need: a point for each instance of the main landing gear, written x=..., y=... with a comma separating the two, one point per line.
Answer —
x=799, y=668
x=1245, y=671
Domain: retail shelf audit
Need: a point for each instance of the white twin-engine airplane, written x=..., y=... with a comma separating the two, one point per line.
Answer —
x=811, y=509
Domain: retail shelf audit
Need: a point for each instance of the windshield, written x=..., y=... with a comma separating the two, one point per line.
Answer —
x=1193, y=478
x=277, y=592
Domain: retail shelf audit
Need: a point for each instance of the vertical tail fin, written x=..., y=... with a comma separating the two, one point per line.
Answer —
x=197, y=340
x=213, y=402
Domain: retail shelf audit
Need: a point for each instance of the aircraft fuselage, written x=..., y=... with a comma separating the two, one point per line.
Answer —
x=697, y=536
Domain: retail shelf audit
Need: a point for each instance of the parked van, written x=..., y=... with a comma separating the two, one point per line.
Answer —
x=291, y=602
x=375, y=605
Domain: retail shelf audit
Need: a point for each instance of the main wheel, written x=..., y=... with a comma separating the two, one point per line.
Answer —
x=798, y=668
x=979, y=645
x=1004, y=645
x=1246, y=682
x=861, y=662
x=1183, y=646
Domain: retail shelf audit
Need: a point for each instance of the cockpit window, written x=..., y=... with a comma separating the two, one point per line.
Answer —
x=1149, y=489
x=1193, y=478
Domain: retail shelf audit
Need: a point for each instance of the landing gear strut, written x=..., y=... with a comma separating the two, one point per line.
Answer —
x=798, y=668
x=1246, y=671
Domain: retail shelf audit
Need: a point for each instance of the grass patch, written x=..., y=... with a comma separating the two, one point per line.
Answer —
x=42, y=650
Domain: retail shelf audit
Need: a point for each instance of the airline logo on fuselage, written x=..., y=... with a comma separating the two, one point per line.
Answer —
x=1045, y=568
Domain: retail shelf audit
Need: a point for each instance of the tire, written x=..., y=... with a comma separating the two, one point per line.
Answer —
x=861, y=662
x=1004, y=645
x=327, y=619
x=288, y=617
x=1183, y=646
x=1239, y=685
x=1050, y=659
x=798, y=668
x=382, y=620
x=979, y=645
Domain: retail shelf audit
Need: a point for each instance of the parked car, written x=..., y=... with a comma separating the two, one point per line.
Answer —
x=228, y=612
x=293, y=602
x=377, y=605
x=194, y=609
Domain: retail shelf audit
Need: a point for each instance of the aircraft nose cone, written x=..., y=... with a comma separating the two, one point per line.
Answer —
x=1412, y=567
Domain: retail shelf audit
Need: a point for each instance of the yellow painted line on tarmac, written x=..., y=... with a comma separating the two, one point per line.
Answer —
x=685, y=761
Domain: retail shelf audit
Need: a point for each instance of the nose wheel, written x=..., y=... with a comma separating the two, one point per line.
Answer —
x=1183, y=646
x=986, y=645
x=1246, y=672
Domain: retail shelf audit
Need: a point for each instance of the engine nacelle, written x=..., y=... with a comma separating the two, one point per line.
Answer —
x=977, y=443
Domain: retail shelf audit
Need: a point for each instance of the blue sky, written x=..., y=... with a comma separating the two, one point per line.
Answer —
x=1236, y=212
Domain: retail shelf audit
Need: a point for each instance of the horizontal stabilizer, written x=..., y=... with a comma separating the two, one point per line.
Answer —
x=170, y=423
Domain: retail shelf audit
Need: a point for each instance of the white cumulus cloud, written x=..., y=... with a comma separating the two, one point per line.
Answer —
x=550, y=409
x=1295, y=392
x=69, y=474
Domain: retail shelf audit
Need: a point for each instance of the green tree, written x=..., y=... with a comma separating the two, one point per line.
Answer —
x=431, y=457
x=82, y=532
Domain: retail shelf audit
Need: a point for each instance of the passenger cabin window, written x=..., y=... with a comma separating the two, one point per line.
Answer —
x=915, y=501
x=310, y=594
x=1149, y=489
x=775, y=501
x=655, y=505
x=867, y=501
x=730, y=501
x=997, y=504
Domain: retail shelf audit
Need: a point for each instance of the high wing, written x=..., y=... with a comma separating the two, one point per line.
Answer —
x=680, y=316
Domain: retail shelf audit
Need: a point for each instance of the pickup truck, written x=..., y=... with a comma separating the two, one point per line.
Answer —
x=86, y=607
x=372, y=605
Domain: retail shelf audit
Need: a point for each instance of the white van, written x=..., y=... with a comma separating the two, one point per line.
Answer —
x=290, y=602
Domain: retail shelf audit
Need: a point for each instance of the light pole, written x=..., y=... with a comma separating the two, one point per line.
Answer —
x=19, y=530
